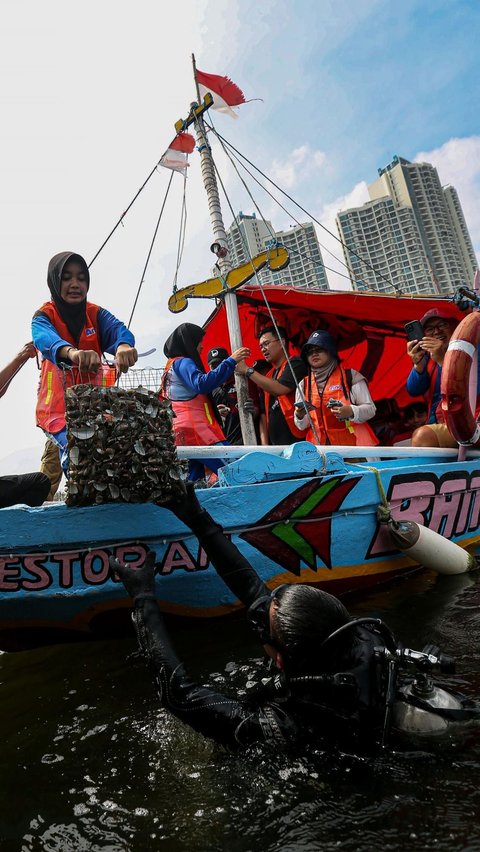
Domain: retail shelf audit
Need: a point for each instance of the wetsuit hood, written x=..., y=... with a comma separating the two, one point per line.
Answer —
x=74, y=316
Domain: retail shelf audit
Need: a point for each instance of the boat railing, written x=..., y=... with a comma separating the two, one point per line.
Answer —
x=235, y=452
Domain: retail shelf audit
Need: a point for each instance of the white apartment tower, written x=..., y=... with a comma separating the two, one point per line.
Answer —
x=248, y=236
x=412, y=233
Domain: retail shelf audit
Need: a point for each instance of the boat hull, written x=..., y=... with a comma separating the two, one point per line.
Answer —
x=302, y=523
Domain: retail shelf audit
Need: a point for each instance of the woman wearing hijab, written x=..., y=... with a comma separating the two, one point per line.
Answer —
x=336, y=401
x=189, y=388
x=69, y=330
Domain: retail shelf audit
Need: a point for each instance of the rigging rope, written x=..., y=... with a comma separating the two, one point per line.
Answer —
x=288, y=212
x=150, y=250
x=123, y=215
x=182, y=231
x=267, y=224
x=272, y=318
x=338, y=239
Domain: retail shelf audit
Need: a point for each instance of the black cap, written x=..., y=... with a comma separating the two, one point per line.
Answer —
x=217, y=354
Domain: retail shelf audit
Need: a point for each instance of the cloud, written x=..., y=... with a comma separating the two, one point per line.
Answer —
x=458, y=163
x=297, y=166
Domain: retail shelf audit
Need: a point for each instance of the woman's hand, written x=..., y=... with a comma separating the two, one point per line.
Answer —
x=240, y=355
x=125, y=356
x=87, y=360
x=343, y=412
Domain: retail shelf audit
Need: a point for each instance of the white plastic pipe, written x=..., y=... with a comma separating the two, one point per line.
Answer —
x=431, y=549
x=235, y=452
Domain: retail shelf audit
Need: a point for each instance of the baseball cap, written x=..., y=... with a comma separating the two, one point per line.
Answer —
x=217, y=354
x=436, y=313
x=322, y=339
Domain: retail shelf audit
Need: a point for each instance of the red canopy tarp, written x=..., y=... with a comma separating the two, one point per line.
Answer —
x=368, y=328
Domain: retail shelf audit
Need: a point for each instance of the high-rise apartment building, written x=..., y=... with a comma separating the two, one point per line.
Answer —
x=412, y=234
x=248, y=236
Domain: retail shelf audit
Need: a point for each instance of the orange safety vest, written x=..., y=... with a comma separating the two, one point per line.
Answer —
x=286, y=402
x=194, y=424
x=53, y=381
x=329, y=429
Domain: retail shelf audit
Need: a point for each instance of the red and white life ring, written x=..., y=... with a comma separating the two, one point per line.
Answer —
x=455, y=404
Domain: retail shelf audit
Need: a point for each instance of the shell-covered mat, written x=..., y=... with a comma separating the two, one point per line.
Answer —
x=121, y=447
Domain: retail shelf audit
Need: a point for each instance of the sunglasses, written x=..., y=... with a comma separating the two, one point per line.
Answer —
x=438, y=326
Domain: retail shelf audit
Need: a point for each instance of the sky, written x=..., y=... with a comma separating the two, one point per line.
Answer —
x=89, y=96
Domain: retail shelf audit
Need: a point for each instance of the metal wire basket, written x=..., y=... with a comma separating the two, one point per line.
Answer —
x=149, y=378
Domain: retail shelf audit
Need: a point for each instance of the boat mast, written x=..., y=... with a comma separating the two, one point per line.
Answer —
x=223, y=262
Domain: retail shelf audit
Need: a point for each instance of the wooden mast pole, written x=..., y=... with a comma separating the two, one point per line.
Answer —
x=224, y=264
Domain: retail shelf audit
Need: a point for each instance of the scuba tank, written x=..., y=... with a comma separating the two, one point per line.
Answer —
x=422, y=709
x=390, y=687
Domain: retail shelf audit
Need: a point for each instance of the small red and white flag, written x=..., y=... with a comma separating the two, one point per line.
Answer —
x=225, y=93
x=176, y=155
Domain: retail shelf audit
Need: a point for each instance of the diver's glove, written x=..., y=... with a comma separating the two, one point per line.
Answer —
x=139, y=582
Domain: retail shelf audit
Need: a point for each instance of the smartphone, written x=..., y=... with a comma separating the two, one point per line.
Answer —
x=414, y=330
x=305, y=406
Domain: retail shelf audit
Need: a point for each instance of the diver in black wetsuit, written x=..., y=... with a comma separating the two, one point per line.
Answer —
x=337, y=678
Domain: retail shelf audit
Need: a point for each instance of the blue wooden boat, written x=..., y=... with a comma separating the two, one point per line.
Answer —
x=301, y=514
x=303, y=518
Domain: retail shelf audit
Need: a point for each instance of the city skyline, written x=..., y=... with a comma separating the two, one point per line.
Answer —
x=411, y=236
x=249, y=235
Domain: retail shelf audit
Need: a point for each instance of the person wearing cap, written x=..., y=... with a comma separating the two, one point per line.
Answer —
x=189, y=388
x=69, y=330
x=332, y=404
x=278, y=387
x=424, y=379
x=226, y=400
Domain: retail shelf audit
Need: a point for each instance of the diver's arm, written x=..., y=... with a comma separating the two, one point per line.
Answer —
x=225, y=557
x=220, y=717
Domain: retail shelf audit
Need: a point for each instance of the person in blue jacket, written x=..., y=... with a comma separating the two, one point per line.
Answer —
x=189, y=388
x=424, y=379
x=71, y=331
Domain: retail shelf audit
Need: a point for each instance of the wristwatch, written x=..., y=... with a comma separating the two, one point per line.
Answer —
x=249, y=371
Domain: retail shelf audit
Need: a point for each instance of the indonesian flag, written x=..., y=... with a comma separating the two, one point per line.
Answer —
x=225, y=93
x=176, y=155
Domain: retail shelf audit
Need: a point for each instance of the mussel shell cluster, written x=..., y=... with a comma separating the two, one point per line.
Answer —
x=121, y=447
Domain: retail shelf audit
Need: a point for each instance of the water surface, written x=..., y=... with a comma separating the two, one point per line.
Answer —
x=89, y=762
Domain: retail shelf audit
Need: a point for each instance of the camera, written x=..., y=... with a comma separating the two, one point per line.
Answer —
x=334, y=403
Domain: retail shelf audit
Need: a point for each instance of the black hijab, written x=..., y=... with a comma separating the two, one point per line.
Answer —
x=183, y=343
x=74, y=316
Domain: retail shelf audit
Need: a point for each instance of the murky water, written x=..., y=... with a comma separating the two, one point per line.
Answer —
x=88, y=762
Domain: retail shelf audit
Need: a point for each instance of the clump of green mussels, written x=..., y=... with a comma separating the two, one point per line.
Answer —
x=121, y=447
